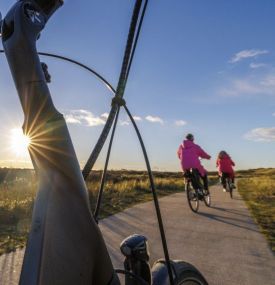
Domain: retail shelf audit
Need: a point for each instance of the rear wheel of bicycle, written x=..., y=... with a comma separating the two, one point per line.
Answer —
x=190, y=276
x=231, y=191
x=229, y=187
x=207, y=198
x=192, y=197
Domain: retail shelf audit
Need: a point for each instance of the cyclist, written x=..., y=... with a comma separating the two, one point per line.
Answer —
x=190, y=153
x=225, y=167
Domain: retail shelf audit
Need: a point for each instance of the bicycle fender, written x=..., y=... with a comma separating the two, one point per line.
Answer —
x=160, y=273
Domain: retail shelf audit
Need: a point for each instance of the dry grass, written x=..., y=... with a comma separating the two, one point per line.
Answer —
x=122, y=190
x=16, y=203
x=124, y=194
x=259, y=194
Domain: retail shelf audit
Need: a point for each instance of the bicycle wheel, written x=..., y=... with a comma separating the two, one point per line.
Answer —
x=206, y=198
x=231, y=191
x=191, y=278
x=229, y=187
x=192, y=197
x=189, y=275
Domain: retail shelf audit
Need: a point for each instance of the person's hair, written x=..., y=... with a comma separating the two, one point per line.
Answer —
x=189, y=137
x=222, y=154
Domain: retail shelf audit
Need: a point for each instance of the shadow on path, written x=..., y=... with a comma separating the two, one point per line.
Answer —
x=230, y=221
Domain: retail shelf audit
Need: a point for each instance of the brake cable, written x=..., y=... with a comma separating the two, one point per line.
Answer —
x=117, y=102
x=119, y=92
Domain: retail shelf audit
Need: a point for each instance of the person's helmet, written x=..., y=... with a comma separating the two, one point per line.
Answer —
x=189, y=137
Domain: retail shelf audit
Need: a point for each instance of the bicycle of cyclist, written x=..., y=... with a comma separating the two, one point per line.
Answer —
x=65, y=244
x=195, y=191
x=227, y=182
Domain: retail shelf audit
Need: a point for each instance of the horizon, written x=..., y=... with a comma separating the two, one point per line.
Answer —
x=145, y=170
x=204, y=68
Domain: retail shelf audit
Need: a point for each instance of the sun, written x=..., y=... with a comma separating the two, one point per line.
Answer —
x=19, y=142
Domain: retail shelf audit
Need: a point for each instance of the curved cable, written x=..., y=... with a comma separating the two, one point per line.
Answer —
x=108, y=85
x=103, y=177
x=136, y=38
x=128, y=57
x=119, y=92
x=161, y=228
x=100, y=77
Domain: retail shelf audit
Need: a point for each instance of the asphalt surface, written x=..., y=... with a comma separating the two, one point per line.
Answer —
x=223, y=241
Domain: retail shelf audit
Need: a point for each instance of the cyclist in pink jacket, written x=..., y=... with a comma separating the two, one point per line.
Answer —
x=189, y=154
x=225, y=167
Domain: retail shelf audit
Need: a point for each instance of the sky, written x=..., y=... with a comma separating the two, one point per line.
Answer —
x=205, y=67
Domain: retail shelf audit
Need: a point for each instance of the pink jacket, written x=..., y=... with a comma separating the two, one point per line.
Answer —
x=225, y=164
x=189, y=154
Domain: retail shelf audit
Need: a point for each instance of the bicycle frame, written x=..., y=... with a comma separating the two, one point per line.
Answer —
x=65, y=245
x=53, y=248
x=192, y=177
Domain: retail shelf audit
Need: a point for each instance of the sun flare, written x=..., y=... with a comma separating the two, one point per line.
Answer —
x=19, y=142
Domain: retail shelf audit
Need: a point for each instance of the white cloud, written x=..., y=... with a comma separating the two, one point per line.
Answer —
x=124, y=123
x=273, y=114
x=250, y=86
x=261, y=134
x=137, y=118
x=105, y=115
x=70, y=119
x=240, y=87
x=154, y=119
x=248, y=53
x=254, y=65
x=84, y=117
x=180, y=123
x=268, y=81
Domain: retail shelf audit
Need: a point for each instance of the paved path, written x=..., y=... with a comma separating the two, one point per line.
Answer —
x=223, y=242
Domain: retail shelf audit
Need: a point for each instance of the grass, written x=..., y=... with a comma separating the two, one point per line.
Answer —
x=123, y=189
x=16, y=203
x=124, y=194
x=259, y=195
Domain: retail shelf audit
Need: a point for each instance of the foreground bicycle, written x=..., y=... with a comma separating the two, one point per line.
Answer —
x=195, y=191
x=65, y=244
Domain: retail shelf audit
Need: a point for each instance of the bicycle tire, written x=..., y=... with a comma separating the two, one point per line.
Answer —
x=189, y=275
x=207, y=198
x=231, y=192
x=192, y=197
x=190, y=278
x=229, y=187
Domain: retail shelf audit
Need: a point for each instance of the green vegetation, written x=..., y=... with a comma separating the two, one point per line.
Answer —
x=123, y=189
x=258, y=190
x=16, y=203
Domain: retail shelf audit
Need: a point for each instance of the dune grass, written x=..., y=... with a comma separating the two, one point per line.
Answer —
x=259, y=195
x=16, y=204
x=124, y=194
x=123, y=189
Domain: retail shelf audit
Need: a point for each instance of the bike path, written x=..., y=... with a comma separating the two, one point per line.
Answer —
x=223, y=241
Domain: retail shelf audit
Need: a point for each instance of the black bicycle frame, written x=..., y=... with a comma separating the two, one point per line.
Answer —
x=65, y=245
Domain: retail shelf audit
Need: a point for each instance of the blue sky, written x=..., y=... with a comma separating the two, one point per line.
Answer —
x=206, y=67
